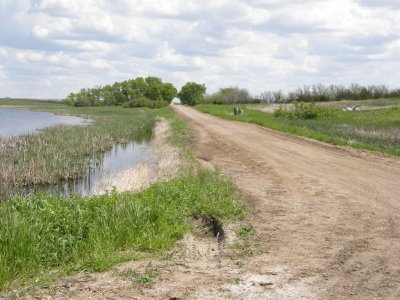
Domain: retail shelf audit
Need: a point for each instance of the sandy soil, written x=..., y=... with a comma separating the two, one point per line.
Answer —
x=326, y=220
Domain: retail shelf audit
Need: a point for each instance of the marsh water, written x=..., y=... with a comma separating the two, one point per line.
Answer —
x=15, y=122
x=102, y=169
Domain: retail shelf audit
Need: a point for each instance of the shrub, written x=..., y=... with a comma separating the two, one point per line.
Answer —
x=305, y=111
x=145, y=102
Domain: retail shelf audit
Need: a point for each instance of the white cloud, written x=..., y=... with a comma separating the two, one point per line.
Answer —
x=40, y=31
x=3, y=53
x=54, y=47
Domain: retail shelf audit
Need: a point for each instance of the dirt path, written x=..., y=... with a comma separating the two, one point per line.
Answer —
x=327, y=218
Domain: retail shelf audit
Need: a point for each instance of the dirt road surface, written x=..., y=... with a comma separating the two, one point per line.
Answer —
x=327, y=218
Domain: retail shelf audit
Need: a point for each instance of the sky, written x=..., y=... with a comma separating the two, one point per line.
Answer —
x=50, y=48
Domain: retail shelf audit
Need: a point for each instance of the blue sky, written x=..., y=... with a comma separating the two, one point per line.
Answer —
x=49, y=48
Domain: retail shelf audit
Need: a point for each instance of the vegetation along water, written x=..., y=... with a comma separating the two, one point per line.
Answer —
x=44, y=236
x=64, y=152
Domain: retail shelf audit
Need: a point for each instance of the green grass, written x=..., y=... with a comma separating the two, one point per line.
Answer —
x=64, y=152
x=43, y=237
x=246, y=231
x=44, y=232
x=375, y=130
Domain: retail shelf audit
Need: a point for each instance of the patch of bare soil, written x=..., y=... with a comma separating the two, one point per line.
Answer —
x=271, y=107
x=326, y=223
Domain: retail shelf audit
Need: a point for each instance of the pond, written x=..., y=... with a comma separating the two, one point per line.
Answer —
x=101, y=168
x=15, y=122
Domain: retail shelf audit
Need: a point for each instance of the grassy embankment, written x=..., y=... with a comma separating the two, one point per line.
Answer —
x=43, y=237
x=375, y=129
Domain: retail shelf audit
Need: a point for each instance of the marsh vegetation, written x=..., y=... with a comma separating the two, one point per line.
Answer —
x=62, y=153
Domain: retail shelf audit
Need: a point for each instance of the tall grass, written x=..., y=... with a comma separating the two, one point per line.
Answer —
x=45, y=232
x=375, y=130
x=65, y=152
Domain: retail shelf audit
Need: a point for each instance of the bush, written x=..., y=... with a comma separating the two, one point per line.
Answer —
x=305, y=111
x=145, y=102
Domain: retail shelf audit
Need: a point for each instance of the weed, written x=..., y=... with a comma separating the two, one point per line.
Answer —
x=243, y=248
x=246, y=231
x=235, y=281
x=137, y=278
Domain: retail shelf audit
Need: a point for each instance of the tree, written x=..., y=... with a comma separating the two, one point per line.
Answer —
x=168, y=92
x=151, y=88
x=154, y=88
x=233, y=95
x=107, y=93
x=192, y=93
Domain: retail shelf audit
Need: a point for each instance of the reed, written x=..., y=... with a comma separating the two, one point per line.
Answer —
x=65, y=152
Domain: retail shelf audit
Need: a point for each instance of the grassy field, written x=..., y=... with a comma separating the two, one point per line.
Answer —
x=43, y=237
x=375, y=129
x=64, y=152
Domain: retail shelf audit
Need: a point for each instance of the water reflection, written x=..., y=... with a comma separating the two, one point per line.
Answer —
x=15, y=122
x=103, y=168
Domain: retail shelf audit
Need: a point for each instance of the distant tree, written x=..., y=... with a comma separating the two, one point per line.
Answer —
x=192, y=93
x=85, y=98
x=266, y=97
x=139, y=89
x=107, y=94
x=231, y=95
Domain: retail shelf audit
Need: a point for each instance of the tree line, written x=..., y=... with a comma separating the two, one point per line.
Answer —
x=312, y=93
x=154, y=93
x=149, y=91
x=333, y=92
